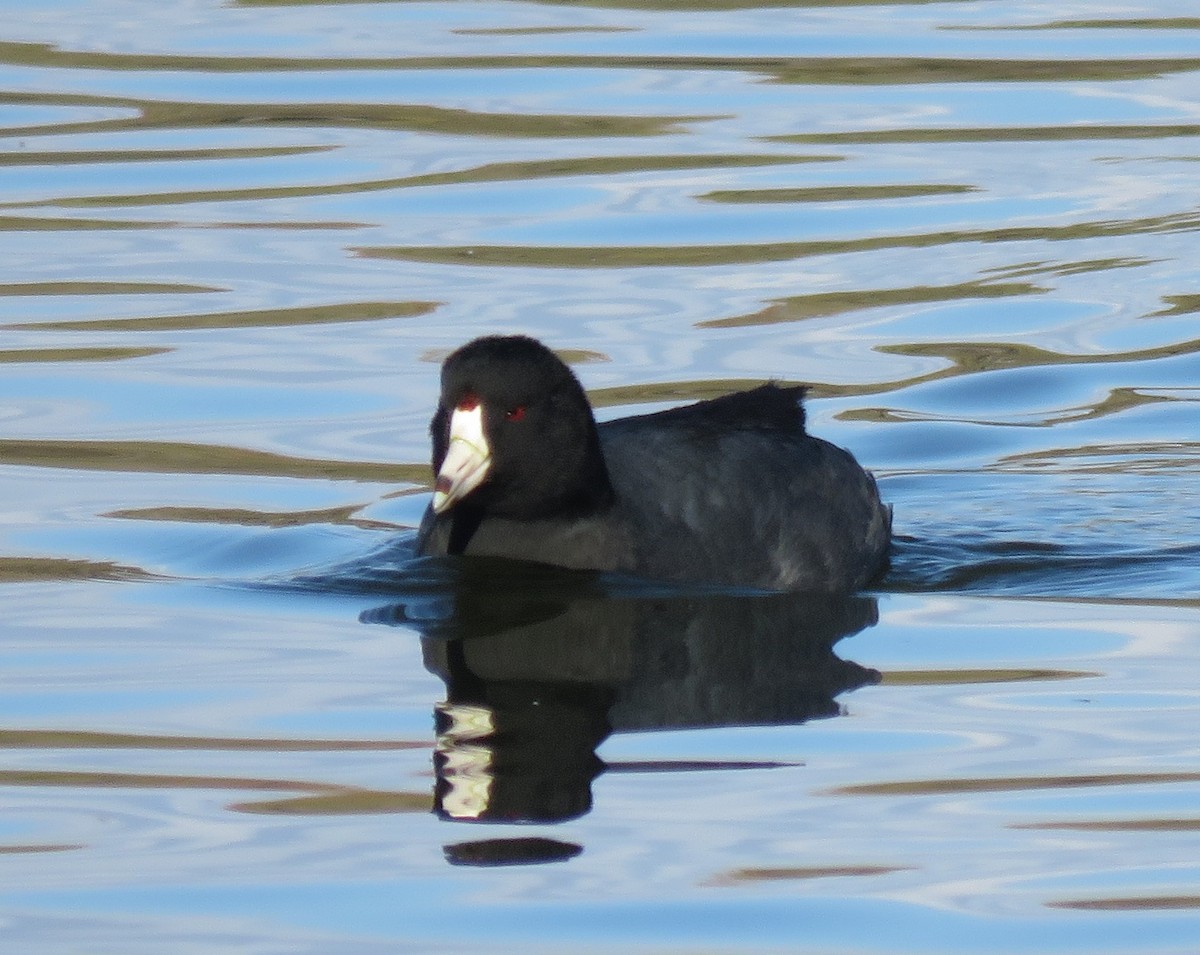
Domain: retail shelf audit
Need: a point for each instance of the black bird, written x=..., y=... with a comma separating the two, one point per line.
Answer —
x=730, y=491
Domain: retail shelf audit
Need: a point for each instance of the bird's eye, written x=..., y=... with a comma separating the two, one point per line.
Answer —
x=515, y=414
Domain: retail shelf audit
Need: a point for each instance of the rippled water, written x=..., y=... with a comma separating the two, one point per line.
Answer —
x=237, y=239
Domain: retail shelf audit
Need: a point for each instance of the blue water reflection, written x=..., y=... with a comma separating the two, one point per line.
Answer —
x=238, y=237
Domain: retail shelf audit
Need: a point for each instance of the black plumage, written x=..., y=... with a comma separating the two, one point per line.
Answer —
x=728, y=491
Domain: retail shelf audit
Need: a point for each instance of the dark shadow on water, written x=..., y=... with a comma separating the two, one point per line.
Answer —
x=542, y=665
x=528, y=850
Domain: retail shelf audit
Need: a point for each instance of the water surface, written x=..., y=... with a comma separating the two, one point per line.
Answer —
x=239, y=237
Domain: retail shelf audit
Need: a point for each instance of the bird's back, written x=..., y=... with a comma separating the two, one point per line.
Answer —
x=734, y=490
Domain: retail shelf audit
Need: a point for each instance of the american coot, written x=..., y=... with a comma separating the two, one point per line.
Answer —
x=728, y=491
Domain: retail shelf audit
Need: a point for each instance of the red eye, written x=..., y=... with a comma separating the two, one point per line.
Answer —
x=515, y=414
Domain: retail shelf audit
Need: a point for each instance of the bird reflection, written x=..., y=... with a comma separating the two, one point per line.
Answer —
x=541, y=665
